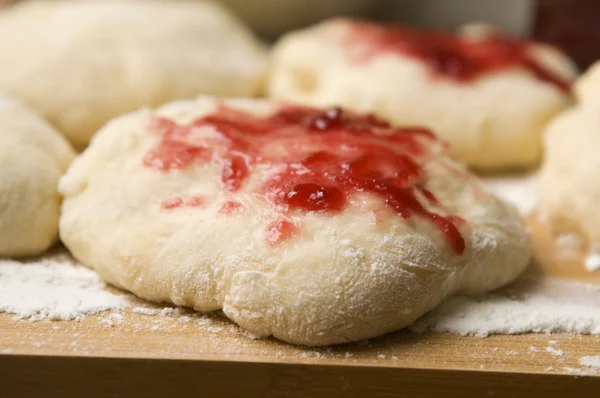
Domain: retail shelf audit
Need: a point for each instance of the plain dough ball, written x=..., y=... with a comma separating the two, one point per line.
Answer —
x=81, y=63
x=345, y=277
x=493, y=122
x=33, y=157
x=570, y=182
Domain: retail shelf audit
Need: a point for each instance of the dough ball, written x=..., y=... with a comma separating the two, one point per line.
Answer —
x=489, y=96
x=570, y=186
x=33, y=157
x=316, y=227
x=81, y=63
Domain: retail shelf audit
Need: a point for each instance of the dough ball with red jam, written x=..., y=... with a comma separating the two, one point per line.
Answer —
x=570, y=177
x=488, y=95
x=316, y=226
x=81, y=63
x=33, y=157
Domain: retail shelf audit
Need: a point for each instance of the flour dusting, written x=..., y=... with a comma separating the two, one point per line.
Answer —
x=592, y=262
x=590, y=361
x=555, y=351
x=529, y=305
x=53, y=289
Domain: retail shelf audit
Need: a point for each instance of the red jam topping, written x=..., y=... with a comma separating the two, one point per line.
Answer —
x=450, y=55
x=190, y=201
x=321, y=160
x=279, y=231
x=230, y=207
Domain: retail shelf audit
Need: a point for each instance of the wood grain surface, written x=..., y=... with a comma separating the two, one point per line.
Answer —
x=132, y=354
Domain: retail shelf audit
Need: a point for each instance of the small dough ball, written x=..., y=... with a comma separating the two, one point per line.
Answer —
x=489, y=96
x=81, y=63
x=569, y=181
x=33, y=157
x=314, y=226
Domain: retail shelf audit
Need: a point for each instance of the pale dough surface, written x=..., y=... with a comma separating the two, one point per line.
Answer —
x=345, y=277
x=33, y=157
x=494, y=122
x=570, y=182
x=81, y=63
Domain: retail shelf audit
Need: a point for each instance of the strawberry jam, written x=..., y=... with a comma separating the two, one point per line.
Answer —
x=319, y=160
x=230, y=207
x=189, y=201
x=279, y=231
x=450, y=55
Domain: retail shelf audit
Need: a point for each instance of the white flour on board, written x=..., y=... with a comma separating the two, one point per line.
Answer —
x=592, y=262
x=53, y=289
x=539, y=305
x=590, y=361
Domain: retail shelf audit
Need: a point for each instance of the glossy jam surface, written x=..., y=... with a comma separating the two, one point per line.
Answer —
x=450, y=55
x=230, y=207
x=279, y=231
x=179, y=201
x=320, y=160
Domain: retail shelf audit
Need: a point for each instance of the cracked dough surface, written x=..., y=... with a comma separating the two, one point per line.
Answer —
x=343, y=277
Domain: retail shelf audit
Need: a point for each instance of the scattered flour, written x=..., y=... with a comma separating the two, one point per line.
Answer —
x=578, y=371
x=53, y=289
x=166, y=311
x=555, y=351
x=592, y=262
x=528, y=305
x=592, y=362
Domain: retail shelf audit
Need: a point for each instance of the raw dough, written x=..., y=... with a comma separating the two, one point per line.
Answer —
x=493, y=121
x=147, y=208
x=32, y=159
x=81, y=63
x=570, y=183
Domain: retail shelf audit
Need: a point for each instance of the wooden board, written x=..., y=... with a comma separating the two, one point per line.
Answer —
x=150, y=356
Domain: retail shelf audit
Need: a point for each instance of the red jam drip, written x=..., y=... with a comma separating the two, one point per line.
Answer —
x=450, y=55
x=279, y=231
x=323, y=159
x=190, y=201
x=231, y=207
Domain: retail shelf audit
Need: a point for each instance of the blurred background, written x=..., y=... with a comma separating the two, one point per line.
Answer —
x=572, y=25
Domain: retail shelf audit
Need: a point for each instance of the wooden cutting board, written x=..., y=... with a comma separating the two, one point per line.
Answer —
x=133, y=354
